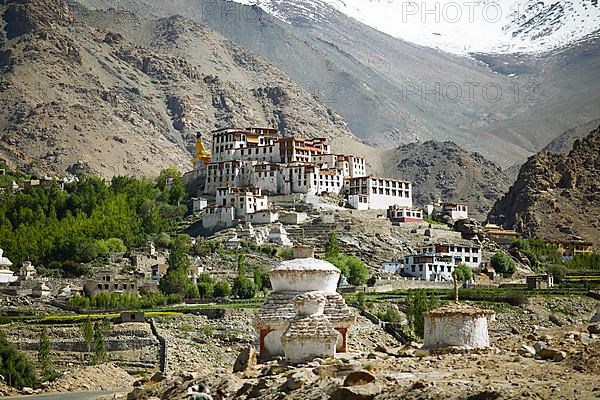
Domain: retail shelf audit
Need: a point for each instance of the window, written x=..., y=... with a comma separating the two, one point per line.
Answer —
x=475, y=259
x=467, y=259
x=414, y=267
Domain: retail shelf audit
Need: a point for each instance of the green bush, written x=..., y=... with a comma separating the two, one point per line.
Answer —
x=285, y=253
x=206, y=290
x=332, y=248
x=584, y=261
x=222, y=289
x=351, y=267
x=557, y=271
x=15, y=367
x=503, y=264
x=243, y=287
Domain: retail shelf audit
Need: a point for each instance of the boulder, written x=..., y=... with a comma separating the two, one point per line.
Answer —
x=547, y=353
x=363, y=392
x=246, y=359
x=299, y=379
x=158, y=377
x=27, y=390
x=357, y=378
x=539, y=346
x=526, y=351
x=594, y=329
x=559, y=356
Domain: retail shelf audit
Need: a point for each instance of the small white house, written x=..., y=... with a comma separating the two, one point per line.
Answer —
x=429, y=267
x=218, y=217
x=199, y=204
x=455, y=211
x=392, y=267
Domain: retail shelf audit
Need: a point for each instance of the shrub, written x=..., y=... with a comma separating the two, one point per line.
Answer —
x=222, y=289
x=503, y=264
x=15, y=367
x=243, y=287
x=87, y=252
x=332, y=248
x=557, y=271
x=206, y=290
x=285, y=253
x=361, y=299
x=517, y=299
x=163, y=241
x=351, y=267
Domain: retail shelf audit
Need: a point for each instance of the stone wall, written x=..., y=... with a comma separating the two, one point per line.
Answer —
x=387, y=285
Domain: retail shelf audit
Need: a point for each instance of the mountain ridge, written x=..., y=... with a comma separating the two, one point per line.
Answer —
x=556, y=196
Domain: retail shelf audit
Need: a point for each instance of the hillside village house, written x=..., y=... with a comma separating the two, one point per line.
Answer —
x=110, y=282
x=572, y=248
x=437, y=261
x=461, y=253
x=499, y=234
x=455, y=211
x=379, y=193
x=404, y=214
x=430, y=267
x=245, y=200
x=393, y=266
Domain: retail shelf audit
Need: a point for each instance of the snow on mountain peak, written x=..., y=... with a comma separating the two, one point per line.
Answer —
x=490, y=26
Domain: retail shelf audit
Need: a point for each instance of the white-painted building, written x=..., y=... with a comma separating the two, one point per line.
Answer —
x=469, y=254
x=218, y=217
x=199, y=204
x=6, y=275
x=429, y=267
x=392, y=267
x=262, y=217
x=278, y=165
x=404, y=214
x=379, y=193
x=245, y=200
x=455, y=211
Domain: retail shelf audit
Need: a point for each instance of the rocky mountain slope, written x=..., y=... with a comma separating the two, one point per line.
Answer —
x=564, y=143
x=492, y=26
x=392, y=92
x=556, y=196
x=444, y=171
x=72, y=94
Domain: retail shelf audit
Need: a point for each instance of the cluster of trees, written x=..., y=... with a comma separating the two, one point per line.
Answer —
x=546, y=257
x=94, y=334
x=89, y=218
x=124, y=301
x=209, y=287
x=503, y=264
x=355, y=271
x=15, y=367
x=176, y=280
x=417, y=303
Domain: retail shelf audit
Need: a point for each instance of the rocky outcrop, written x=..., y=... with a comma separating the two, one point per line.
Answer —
x=556, y=197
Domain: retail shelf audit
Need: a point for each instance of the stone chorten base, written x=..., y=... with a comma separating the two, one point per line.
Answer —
x=457, y=325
